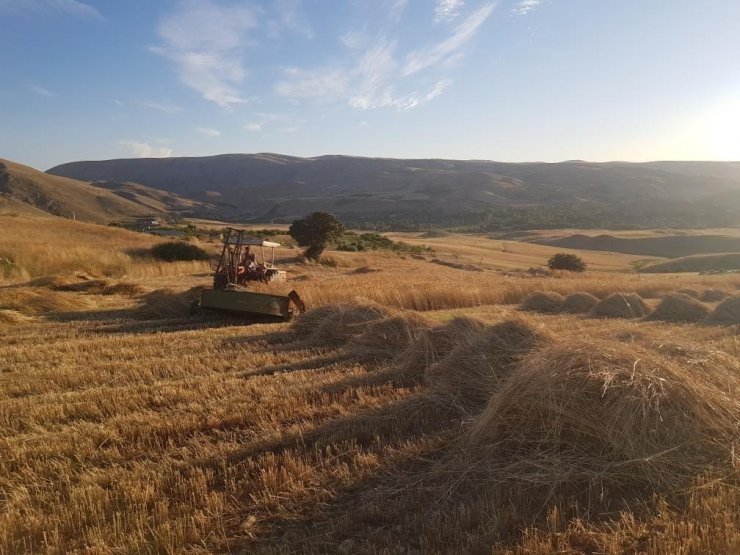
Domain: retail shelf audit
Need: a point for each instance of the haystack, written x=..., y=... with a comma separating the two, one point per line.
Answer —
x=690, y=292
x=598, y=417
x=726, y=312
x=678, y=307
x=620, y=305
x=388, y=338
x=167, y=303
x=714, y=295
x=481, y=362
x=543, y=301
x=32, y=301
x=333, y=325
x=435, y=343
x=579, y=303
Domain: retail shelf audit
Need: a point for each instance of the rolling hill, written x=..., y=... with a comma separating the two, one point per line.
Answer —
x=28, y=191
x=279, y=188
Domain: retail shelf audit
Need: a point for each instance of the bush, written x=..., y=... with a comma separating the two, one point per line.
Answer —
x=564, y=261
x=178, y=250
x=316, y=231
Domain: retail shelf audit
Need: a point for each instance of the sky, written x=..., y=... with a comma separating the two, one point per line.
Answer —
x=508, y=80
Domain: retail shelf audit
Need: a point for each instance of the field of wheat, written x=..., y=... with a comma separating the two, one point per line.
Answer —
x=416, y=408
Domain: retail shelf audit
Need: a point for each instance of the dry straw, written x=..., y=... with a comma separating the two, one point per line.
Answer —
x=678, y=307
x=543, y=301
x=620, y=305
x=586, y=417
x=714, y=295
x=690, y=292
x=481, y=362
x=388, y=338
x=726, y=312
x=579, y=303
x=333, y=325
x=166, y=304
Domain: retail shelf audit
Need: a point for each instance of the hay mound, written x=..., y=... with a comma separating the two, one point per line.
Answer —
x=125, y=289
x=33, y=301
x=481, y=362
x=435, y=343
x=388, y=338
x=166, y=304
x=714, y=295
x=620, y=305
x=594, y=417
x=13, y=317
x=334, y=325
x=677, y=307
x=543, y=301
x=690, y=293
x=579, y=303
x=726, y=312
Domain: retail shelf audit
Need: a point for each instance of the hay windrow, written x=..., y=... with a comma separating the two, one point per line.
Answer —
x=481, y=362
x=678, y=307
x=36, y=301
x=620, y=305
x=585, y=417
x=726, y=312
x=13, y=317
x=166, y=303
x=579, y=303
x=435, y=343
x=543, y=301
x=388, y=338
x=333, y=325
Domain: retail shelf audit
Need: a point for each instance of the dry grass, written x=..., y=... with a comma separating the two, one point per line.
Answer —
x=543, y=301
x=726, y=312
x=620, y=305
x=714, y=295
x=679, y=307
x=135, y=428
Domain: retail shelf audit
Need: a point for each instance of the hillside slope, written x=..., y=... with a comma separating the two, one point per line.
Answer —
x=278, y=187
x=31, y=192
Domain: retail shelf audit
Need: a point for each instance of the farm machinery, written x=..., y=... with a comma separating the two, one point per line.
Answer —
x=239, y=266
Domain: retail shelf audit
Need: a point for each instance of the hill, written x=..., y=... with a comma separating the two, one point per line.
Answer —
x=698, y=263
x=492, y=195
x=27, y=191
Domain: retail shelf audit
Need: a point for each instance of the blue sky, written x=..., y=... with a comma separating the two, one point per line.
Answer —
x=513, y=80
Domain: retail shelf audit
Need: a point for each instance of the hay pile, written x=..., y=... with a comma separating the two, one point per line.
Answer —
x=620, y=305
x=13, y=318
x=481, y=362
x=435, y=343
x=726, y=312
x=32, y=301
x=579, y=303
x=689, y=293
x=166, y=304
x=590, y=418
x=678, y=307
x=543, y=301
x=333, y=325
x=714, y=295
x=387, y=338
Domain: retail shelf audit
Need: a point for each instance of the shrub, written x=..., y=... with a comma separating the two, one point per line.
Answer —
x=316, y=231
x=178, y=250
x=565, y=261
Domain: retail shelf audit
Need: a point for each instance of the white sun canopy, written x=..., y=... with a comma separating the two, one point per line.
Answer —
x=252, y=242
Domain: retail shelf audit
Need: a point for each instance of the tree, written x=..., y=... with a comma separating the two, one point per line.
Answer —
x=315, y=232
x=564, y=261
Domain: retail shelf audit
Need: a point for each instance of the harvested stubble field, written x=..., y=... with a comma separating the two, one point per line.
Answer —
x=415, y=410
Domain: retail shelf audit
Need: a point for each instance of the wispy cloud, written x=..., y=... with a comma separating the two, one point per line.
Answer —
x=446, y=10
x=208, y=132
x=41, y=91
x=290, y=17
x=160, y=106
x=281, y=122
x=523, y=7
x=69, y=7
x=205, y=41
x=145, y=150
x=450, y=47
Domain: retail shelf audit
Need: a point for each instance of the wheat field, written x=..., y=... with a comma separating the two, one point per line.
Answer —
x=386, y=420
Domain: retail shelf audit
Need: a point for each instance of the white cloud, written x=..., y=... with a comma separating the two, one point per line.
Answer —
x=290, y=17
x=450, y=47
x=327, y=83
x=160, y=106
x=145, y=150
x=205, y=41
x=208, y=132
x=284, y=122
x=41, y=91
x=69, y=7
x=523, y=7
x=446, y=10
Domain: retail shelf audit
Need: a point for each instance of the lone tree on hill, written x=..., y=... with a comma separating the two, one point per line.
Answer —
x=316, y=231
x=564, y=261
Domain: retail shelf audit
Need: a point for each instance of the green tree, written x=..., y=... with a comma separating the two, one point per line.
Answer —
x=565, y=261
x=315, y=232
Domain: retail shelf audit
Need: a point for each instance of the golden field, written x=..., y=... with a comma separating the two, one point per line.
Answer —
x=425, y=413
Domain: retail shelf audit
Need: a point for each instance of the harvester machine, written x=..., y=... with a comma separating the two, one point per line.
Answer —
x=243, y=261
